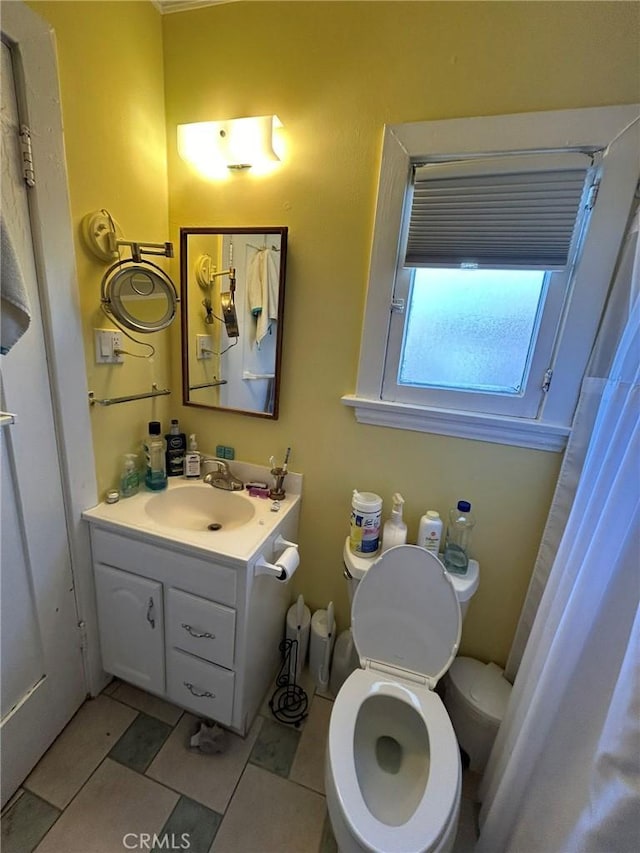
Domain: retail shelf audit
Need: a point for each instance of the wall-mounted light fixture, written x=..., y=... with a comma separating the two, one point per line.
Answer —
x=214, y=147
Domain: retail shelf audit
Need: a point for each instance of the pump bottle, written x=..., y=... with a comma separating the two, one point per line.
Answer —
x=394, y=531
x=129, y=479
x=192, y=459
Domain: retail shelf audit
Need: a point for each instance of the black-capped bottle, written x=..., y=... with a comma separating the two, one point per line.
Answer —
x=175, y=450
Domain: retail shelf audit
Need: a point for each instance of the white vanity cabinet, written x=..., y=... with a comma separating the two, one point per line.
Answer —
x=201, y=630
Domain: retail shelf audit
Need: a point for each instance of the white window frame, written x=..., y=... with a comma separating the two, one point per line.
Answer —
x=405, y=144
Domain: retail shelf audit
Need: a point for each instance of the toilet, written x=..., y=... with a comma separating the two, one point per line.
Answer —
x=392, y=769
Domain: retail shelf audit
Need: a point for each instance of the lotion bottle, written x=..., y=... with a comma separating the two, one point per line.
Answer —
x=394, y=531
x=192, y=459
x=430, y=531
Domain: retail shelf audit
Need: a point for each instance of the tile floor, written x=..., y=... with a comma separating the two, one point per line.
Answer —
x=122, y=766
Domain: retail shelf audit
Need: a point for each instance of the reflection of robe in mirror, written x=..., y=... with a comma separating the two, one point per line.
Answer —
x=262, y=291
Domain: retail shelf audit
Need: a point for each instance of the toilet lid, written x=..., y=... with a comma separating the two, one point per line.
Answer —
x=406, y=615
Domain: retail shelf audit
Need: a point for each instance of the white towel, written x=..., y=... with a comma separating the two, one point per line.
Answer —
x=262, y=291
x=16, y=314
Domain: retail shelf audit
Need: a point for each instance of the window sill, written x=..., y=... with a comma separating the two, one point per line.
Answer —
x=496, y=429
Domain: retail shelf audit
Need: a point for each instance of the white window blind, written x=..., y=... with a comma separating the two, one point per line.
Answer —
x=498, y=212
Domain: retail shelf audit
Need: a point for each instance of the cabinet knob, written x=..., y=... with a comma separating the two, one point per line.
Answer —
x=201, y=695
x=200, y=635
x=150, y=617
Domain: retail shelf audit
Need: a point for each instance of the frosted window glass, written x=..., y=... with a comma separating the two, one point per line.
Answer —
x=471, y=329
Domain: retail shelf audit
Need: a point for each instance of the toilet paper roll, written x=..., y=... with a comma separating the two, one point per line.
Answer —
x=283, y=569
x=288, y=562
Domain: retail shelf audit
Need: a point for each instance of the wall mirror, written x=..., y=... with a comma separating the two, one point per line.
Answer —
x=232, y=288
x=139, y=296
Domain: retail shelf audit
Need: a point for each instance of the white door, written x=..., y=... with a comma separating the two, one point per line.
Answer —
x=130, y=618
x=42, y=679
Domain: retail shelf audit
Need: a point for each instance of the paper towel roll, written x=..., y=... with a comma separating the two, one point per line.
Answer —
x=299, y=611
x=288, y=562
x=318, y=644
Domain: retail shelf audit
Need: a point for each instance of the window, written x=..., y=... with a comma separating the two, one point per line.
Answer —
x=490, y=266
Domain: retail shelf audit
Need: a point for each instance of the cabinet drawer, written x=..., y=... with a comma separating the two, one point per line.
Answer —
x=200, y=686
x=200, y=626
x=206, y=577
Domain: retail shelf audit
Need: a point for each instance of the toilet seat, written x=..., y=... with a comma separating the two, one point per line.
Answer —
x=439, y=803
x=406, y=616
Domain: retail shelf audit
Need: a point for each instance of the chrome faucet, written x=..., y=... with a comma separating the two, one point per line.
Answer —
x=221, y=477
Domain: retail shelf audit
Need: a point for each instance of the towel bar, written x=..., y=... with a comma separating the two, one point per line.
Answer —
x=208, y=384
x=112, y=401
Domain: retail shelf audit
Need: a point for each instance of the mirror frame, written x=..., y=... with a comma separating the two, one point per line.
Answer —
x=282, y=232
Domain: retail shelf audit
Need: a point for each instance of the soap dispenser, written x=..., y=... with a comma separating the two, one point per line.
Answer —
x=394, y=531
x=192, y=459
x=129, y=479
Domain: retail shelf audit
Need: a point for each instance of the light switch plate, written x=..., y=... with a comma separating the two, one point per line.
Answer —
x=203, y=343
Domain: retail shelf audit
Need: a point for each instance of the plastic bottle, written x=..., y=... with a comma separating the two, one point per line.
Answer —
x=129, y=479
x=175, y=450
x=456, y=548
x=394, y=531
x=364, y=535
x=430, y=531
x=192, y=459
x=156, y=475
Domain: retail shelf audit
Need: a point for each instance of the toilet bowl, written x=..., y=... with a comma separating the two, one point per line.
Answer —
x=392, y=769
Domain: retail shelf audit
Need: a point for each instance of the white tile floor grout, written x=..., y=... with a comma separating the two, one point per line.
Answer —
x=265, y=794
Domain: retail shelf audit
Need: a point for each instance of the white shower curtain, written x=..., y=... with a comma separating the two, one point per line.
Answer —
x=564, y=774
x=623, y=293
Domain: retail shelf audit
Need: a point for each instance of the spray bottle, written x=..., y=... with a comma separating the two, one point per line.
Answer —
x=394, y=531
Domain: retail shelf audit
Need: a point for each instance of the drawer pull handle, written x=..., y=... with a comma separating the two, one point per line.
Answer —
x=200, y=635
x=203, y=695
x=150, y=618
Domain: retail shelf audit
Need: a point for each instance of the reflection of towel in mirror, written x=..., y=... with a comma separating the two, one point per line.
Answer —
x=262, y=291
x=16, y=314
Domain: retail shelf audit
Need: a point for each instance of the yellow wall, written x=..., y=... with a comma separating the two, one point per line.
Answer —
x=111, y=79
x=335, y=73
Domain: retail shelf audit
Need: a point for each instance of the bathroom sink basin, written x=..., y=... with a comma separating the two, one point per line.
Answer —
x=200, y=507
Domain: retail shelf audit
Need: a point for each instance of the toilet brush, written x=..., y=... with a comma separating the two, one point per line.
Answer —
x=323, y=676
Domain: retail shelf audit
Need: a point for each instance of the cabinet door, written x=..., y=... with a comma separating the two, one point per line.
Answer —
x=130, y=617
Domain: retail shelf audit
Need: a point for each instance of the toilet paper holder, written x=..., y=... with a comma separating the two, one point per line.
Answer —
x=286, y=563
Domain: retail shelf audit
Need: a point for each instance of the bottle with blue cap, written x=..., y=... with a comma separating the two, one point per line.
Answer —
x=456, y=547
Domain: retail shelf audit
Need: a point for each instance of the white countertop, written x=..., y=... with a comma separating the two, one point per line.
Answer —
x=131, y=516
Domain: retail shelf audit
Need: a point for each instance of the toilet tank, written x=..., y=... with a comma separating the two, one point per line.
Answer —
x=357, y=566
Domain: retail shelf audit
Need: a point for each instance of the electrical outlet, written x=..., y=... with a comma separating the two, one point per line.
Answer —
x=116, y=344
x=204, y=345
x=107, y=341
